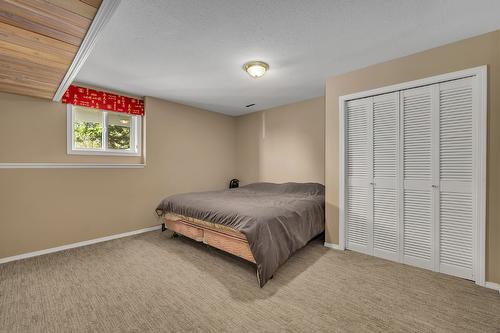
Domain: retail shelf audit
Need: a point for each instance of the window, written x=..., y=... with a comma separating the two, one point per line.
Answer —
x=99, y=132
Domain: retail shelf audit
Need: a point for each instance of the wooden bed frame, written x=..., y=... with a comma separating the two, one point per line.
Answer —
x=227, y=239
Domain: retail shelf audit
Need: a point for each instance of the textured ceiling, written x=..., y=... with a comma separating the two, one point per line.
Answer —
x=191, y=52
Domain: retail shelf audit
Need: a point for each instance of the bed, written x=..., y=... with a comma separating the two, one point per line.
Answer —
x=263, y=223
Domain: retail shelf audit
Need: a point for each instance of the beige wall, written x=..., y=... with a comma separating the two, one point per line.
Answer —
x=282, y=144
x=481, y=50
x=187, y=150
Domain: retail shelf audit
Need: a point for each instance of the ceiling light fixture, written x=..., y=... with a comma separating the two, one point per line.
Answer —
x=256, y=69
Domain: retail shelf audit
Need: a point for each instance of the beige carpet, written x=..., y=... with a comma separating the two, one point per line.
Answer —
x=151, y=283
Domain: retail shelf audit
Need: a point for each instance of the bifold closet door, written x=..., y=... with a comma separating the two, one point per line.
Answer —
x=456, y=164
x=372, y=162
x=385, y=181
x=411, y=158
x=418, y=113
x=438, y=165
x=359, y=176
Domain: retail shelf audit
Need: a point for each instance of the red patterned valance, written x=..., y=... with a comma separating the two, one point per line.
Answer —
x=102, y=100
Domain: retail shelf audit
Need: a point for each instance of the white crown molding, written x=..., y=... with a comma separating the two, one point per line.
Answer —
x=333, y=246
x=100, y=20
x=79, y=244
x=71, y=166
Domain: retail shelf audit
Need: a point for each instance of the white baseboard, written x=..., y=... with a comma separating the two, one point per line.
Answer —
x=333, y=246
x=492, y=285
x=79, y=244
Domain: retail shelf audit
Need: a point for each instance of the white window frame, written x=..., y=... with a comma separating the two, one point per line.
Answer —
x=136, y=127
x=480, y=73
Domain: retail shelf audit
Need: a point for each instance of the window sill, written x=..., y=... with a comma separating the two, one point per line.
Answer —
x=103, y=153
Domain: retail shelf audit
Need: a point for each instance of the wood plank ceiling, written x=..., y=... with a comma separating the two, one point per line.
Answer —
x=38, y=41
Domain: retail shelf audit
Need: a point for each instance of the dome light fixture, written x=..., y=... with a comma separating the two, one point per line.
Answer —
x=256, y=69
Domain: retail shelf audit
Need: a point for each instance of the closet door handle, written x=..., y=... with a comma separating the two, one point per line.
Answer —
x=435, y=186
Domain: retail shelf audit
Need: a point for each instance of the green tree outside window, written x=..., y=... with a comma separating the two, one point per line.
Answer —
x=88, y=135
x=118, y=137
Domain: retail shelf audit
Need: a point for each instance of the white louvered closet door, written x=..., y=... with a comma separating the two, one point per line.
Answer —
x=418, y=130
x=456, y=151
x=414, y=173
x=359, y=175
x=385, y=180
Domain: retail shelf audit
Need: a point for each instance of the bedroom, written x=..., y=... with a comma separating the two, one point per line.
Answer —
x=81, y=246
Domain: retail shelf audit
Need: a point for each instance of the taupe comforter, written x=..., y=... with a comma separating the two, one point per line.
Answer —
x=277, y=219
